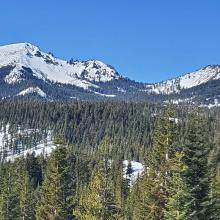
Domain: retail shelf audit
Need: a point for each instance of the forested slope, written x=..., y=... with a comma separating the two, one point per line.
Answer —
x=84, y=177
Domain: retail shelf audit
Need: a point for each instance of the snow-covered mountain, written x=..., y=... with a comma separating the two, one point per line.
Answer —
x=27, y=71
x=47, y=67
x=190, y=80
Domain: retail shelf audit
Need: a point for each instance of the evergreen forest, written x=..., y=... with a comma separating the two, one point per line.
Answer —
x=84, y=177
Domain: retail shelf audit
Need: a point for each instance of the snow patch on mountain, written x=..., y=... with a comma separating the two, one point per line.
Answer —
x=212, y=105
x=31, y=90
x=211, y=72
x=178, y=101
x=105, y=95
x=14, y=77
x=121, y=90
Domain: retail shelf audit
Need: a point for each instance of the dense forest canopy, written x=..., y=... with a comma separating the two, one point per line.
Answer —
x=84, y=177
x=127, y=125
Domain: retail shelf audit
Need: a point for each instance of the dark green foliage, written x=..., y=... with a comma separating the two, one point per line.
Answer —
x=83, y=178
x=17, y=198
x=55, y=193
x=34, y=169
x=196, y=149
x=97, y=199
x=161, y=191
x=128, y=126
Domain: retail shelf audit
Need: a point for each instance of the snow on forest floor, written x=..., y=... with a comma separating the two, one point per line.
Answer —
x=137, y=169
x=46, y=146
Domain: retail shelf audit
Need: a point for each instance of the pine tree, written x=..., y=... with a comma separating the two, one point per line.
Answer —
x=97, y=199
x=159, y=159
x=120, y=184
x=143, y=201
x=176, y=207
x=55, y=196
x=155, y=196
x=144, y=197
x=34, y=169
x=196, y=151
x=9, y=202
x=22, y=186
x=213, y=204
x=215, y=197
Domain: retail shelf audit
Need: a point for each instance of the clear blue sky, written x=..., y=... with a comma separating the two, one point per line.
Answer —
x=146, y=40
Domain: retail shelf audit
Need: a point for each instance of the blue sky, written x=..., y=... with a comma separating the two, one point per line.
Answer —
x=146, y=40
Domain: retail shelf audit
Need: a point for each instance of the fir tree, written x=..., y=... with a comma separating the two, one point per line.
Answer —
x=22, y=186
x=176, y=207
x=215, y=196
x=9, y=202
x=98, y=200
x=158, y=163
x=155, y=194
x=212, y=212
x=55, y=193
x=196, y=151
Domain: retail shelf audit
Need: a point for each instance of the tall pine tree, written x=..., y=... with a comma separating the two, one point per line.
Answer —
x=98, y=198
x=196, y=150
x=155, y=196
x=55, y=193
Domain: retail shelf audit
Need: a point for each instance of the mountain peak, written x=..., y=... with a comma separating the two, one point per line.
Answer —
x=26, y=70
x=18, y=47
x=46, y=66
x=212, y=66
x=189, y=80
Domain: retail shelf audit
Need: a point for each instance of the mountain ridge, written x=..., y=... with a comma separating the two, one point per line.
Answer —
x=188, y=80
x=28, y=55
x=26, y=70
